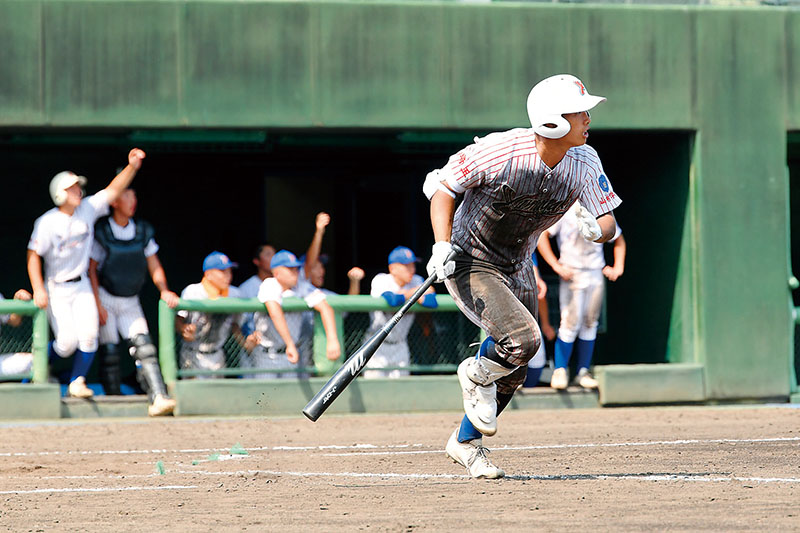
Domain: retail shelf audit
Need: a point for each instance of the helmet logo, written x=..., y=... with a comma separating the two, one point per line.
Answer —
x=581, y=87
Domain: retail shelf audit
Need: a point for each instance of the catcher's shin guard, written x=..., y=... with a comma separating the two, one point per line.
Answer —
x=109, y=369
x=147, y=370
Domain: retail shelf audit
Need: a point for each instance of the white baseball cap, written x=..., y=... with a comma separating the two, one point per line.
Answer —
x=556, y=96
x=61, y=182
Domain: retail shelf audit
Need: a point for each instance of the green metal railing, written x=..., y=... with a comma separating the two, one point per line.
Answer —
x=33, y=338
x=351, y=330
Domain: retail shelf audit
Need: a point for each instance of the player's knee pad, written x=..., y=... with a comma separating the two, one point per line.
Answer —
x=142, y=347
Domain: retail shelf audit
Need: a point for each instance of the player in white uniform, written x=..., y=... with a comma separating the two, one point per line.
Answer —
x=278, y=334
x=62, y=237
x=123, y=254
x=19, y=362
x=514, y=184
x=204, y=334
x=581, y=267
x=395, y=287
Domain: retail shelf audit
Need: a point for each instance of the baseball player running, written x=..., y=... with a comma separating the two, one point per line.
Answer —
x=513, y=185
x=62, y=237
x=581, y=267
x=123, y=254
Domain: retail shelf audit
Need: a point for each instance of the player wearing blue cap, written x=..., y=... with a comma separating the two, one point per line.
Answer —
x=204, y=334
x=395, y=287
x=284, y=340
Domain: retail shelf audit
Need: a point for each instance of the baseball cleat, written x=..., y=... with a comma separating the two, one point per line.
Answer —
x=480, y=401
x=161, y=406
x=472, y=456
x=560, y=380
x=78, y=388
x=585, y=379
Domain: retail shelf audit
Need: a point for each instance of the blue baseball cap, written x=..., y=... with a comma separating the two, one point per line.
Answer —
x=402, y=255
x=217, y=260
x=285, y=258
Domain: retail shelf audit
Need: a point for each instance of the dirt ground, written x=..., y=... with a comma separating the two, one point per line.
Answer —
x=663, y=469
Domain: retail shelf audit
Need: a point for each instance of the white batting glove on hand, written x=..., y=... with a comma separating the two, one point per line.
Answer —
x=588, y=225
x=443, y=270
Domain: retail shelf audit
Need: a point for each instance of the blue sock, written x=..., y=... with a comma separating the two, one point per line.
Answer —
x=563, y=352
x=467, y=431
x=532, y=378
x=83, y=360
x=486, y=346
x=584, y=349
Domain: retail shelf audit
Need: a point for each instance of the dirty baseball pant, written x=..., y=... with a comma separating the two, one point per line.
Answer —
x=502, y=302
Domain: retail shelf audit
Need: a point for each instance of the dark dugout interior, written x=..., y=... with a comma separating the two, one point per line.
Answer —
x=230, y=191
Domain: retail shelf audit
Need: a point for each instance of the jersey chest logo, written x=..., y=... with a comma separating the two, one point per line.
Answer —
x=529, y=205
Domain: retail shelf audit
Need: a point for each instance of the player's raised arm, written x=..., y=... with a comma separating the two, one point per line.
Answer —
x=124, y=178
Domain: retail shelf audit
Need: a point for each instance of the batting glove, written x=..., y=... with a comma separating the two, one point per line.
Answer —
x=443, y=270
x=588, y=225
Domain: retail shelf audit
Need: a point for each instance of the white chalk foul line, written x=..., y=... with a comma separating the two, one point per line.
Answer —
x=586, y=445
x=97, y=489
x=209, y=450
x=400, y=449
x=702, y=477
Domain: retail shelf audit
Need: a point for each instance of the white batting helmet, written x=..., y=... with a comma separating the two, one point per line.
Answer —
x=555, y=96
x=61, y=182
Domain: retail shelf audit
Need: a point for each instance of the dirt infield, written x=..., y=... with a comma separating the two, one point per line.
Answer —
x=663, y=469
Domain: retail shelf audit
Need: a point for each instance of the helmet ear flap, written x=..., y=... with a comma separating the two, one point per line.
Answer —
x=562, y=127
x=60, y=197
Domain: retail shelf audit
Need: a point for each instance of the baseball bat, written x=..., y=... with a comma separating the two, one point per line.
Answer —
x=356, y=362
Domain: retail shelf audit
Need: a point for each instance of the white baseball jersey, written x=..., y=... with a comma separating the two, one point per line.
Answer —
x=301, y=326
x=125, y=233
x=64, y=241
x=511, y=195
x=573, y=250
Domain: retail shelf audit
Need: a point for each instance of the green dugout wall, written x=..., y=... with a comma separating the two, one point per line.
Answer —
x=722, y=79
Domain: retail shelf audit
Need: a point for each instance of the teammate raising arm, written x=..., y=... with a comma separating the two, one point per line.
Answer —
x=514, y=185
x=62, y=237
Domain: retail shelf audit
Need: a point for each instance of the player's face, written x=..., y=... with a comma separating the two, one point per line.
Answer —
x=264, y=258
x=126, y=203
x=74, y=195
x=286, y=276
x=579, y=131
x=317, y=274
x=403, y=273
x=221, y=279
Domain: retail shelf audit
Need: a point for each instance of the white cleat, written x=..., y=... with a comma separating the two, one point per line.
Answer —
x=480, y=401
x=585, y=379
x=472, y=456
x=560, y=380
x=78, y=388
x=161, y=406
